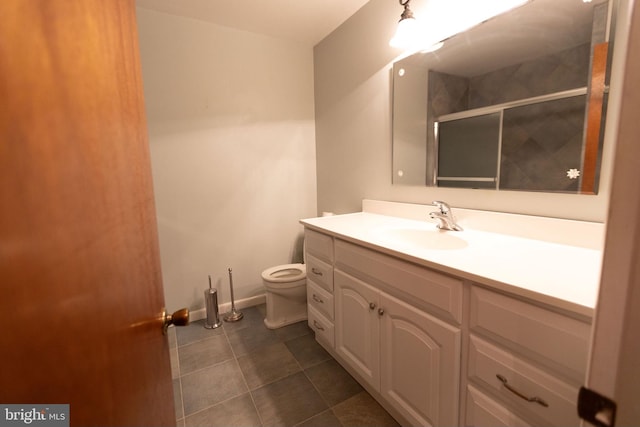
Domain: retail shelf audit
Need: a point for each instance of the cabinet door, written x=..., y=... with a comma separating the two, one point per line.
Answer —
x=357, y=329
x=420, y=364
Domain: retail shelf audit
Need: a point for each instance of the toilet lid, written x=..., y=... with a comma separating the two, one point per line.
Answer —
x=285, y=273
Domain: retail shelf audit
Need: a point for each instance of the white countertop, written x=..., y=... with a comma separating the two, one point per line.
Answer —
x=562, y=275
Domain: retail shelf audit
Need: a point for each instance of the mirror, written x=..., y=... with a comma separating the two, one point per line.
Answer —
x=515, y=103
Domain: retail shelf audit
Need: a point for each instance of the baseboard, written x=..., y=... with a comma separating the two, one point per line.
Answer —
x=226, y=307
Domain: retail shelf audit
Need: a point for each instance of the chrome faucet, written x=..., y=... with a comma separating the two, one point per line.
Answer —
x=445, y=218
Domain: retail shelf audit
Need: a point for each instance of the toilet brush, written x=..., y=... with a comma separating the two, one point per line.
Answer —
x=234, y=315
x=211, y=304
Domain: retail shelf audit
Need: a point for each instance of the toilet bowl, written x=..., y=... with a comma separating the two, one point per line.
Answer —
x=286, y=292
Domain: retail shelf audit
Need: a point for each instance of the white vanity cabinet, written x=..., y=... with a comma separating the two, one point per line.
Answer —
x=529, y=358
x=406, y=354
x=439, y=350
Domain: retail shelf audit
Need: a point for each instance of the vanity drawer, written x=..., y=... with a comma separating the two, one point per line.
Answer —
x=482, y=411
x=319, y=245
x=487, y=362
x=322, y=327
x=320, y=272
x=542, y=335
x=320, y=299
x=419, y=285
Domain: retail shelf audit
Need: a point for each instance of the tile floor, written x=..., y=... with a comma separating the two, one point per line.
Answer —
x=243, y=374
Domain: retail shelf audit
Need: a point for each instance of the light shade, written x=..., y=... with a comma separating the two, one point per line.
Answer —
x=407, y=34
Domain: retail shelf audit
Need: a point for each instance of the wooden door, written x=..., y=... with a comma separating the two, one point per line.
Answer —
x=357, y=330
x=81, y=292
x=419, y=364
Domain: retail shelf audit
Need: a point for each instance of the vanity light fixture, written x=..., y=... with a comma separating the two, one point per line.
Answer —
x=407, y=32
x=448, y=19
x=409, y=35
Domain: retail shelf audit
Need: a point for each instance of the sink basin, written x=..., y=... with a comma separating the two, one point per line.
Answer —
x=425, y=239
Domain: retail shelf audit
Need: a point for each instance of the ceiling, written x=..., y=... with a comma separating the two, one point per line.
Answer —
x=307, y=21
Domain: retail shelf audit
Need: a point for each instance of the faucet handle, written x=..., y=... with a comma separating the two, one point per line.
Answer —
x=443, y=206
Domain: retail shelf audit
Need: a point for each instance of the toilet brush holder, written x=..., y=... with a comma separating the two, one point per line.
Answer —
x=234, y=315
x=211, y=304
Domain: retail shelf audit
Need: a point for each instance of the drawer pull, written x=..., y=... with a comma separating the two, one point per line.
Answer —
x=372, y=306
x=316, y=271
x=316, y=299
x=318, y=326
x=535, y=399
x=380, y=311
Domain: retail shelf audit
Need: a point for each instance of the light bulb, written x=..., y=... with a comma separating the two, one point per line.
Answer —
x=407, y=34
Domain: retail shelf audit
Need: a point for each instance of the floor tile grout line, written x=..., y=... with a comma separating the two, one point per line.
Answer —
x=233, y=352
x=196, y=341
x=215, y=404
x=235, y=359
x=179, y=377
x=316, y=388
x=302, y=370
x=181, y=398
x=233, y=355
x=207, y=367
x=330, y=408
x=284, y=338
x=253, y=401
x=255, y=406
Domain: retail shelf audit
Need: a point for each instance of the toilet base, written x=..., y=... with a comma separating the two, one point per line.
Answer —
x=284, y=322
x=285, y=308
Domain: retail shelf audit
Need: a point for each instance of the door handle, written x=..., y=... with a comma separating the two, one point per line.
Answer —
x=178, y=318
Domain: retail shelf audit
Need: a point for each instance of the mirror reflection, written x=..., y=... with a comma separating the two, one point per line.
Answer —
x=515, y=103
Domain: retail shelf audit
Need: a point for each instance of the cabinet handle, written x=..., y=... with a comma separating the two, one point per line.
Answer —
x=316, y=271
x=318, y=326
x=535, y=399
x=316, y=299
x=380, y=311
x=372, y=306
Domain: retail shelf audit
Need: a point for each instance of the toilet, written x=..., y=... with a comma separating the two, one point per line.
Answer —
x=286, y=292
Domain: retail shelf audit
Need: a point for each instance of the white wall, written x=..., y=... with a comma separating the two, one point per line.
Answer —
x=353, y=129
x=231, y=128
